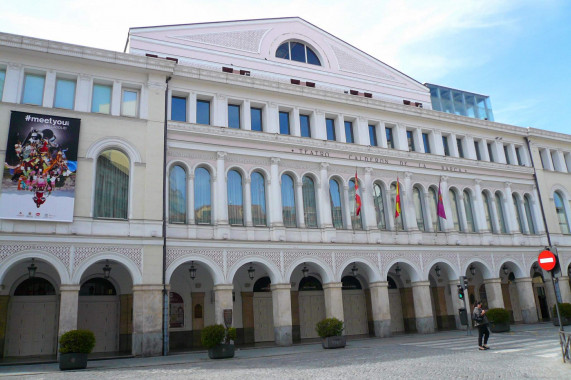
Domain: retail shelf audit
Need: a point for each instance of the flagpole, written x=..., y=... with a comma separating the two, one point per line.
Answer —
x=354, y=202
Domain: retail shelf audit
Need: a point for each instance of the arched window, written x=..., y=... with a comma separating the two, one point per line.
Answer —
x=97, y=287
x=561, y=214
x=263, y=284
x=380, y=206
x=500, y=211
x=518, y=213
x=35, y=286
x=177, y=195
x=392, y=283
x=297, y=51
x=528, y=214
x=455, y=210
x=418, y=208
x=356, y=220
x=288, y=201
x=350, y=283
x=258, y=192
x=112, y=185
x=433, y=198
x=235, y=199
x=469, y=211
x=335, y=197
x=309, y=204
x=398, y=221
x=202, y=197
x=309, y=283
x=488, y=211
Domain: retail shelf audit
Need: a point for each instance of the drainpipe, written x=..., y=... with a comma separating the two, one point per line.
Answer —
x=165, y=292
x=554, y=281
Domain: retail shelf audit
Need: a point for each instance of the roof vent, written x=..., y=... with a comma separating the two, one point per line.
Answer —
x=152, y=55
x=354, y=92
x=245, y=72
x=368, y=95
x=295, y=81
x=172, y=59
x=406, y=102
x=310, y=84
x=227, y=69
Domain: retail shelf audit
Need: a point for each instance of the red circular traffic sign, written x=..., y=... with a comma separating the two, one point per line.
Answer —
x=546, y=260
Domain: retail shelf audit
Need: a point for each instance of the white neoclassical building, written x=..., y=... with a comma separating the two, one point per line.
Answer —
x=271, y=124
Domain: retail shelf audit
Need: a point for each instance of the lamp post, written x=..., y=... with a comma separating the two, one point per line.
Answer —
x=106, y=269
x=192, y=271
x=304, y=270
x=251, y=272
x=354, y=270
x=32, y=270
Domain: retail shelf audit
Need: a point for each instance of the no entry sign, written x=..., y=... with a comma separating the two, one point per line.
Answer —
x=547, y=260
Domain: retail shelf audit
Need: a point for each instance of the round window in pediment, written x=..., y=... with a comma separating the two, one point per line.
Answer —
x=297, y=51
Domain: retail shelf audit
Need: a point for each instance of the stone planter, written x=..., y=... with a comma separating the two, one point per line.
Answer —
x=499, y=327
x=334, y=341
x=566, y=321
x=222, y=351
x=72, y=361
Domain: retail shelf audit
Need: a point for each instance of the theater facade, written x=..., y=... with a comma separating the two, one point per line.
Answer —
x=273, y=127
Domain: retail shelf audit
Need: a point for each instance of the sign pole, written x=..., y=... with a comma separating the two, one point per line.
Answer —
x=548, y=261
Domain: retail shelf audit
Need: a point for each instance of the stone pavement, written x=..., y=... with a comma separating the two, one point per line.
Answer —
x=527, y=352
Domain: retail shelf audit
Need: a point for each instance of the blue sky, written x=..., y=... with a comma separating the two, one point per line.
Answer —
x=517, y=52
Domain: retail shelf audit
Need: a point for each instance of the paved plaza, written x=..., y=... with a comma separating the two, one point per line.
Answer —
x=527, y=352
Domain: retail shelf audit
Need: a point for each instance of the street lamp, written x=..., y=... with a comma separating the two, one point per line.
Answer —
x=192, y=271
x=397, y=270
x=354, y=270
x=505, y=269
x=437, y=270
x=304, y=270
x=251, y=271
x=32, y=270
x=106, y=269
x=534, y=266
x=472, y=269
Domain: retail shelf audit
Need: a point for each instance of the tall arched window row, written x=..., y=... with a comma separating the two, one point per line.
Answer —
x=418, y=208
x=433, y=199
x=500, y=212
x=488, y=211
x=356, y=220
x=528, y=214
x=288, y=201
x=202, y=196
x=112, y=185
x=518, y=213
x=297, y=51
x=177, y=195
x=309, y=203
x=258, y=193
x=398, y=221
x=335, y=198
x=235, y=199
x=380, y=206
x=469, y=211
x=562, y=217
x=455, y=210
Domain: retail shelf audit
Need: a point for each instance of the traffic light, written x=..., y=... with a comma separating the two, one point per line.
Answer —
x=465, y=279
x=460, y=292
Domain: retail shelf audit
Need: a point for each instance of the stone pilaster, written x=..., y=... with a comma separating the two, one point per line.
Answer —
x=423, y=307
x=526, y=300
x=222, y=300
x=381, y=308
x=564, y=289
x=281, y=299
x=333, y=300
x=494, y=292
x=68, y=308
x=147, y=320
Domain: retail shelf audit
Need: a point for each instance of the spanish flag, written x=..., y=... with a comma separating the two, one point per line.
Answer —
x=357, y=197
x=397, y=200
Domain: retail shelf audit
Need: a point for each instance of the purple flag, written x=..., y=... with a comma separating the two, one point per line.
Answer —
x=440, y=206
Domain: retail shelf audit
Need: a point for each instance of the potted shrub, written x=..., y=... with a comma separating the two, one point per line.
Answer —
x=565, y=311
x=216, y=339
x=329, y=330
x=74, y=346
x=499, y=319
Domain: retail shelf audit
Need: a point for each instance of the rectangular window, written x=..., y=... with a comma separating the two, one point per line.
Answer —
x=426, y=143
x=304, y=125
x=508, y=161
x=390, y=141
x=349, y=132
x=33, y=89
x=373, y=135
x=490, y=152
x=256, y=117
x=330, y=126
x=203, y=112
x=2, y=79
x=284, y=123
x=410, y=141
x=445, y=145
x=477, y=149
x=129, y=102
x=65, y=93
x=101, y=101
x=233, y=116
x=178, y=108
x=518, y=156
x=460, y=149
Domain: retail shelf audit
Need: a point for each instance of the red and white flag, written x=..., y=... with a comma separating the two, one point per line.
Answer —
x=357, y=197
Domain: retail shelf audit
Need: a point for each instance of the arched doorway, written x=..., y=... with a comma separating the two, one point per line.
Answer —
x=395, y=305
x=263, y=311
x=440, y=277
x=540, y=296
x=311, y=306
x=401, y=299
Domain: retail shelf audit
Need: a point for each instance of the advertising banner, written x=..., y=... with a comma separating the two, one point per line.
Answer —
x=41, y=164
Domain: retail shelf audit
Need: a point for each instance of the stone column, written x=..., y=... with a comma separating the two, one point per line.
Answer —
x=340, y=128
x=49, y=89
x=381, y=308
x=318, y=130
x=13, y=83
x=222, y=300
x=564, y=289
x=423, y=307
x=191, y=108
x=246, y=116
x=82, y=93
x=448, y=223
x=462, y=211
x=323, y=200
x=478, y=209
x=511, y=216
x=294, y=124
x=536, y=212
x=494, y=292
x=299, y=204
x=361, y=131
x=247, y=202
x=526, y=300
x=347, y=212
x=407, y=204
x=190, y=204
x=418, y=142
x=452, y=146
x=368, y=204
x=428, y=214
x=333, y=300
x=68, y=308
x=470, y=148
x=276, y=216
x=221, y=191
x=219, y=111
x=281, y=299
x=147, y=320
x=116, y=98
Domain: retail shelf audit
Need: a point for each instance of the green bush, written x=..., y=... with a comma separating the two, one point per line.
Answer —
x=211, y=336
x=498, y=316
x=77, y=342
x=564, y=309
x=329, y=327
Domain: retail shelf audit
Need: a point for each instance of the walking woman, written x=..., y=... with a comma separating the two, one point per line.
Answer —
x=481, y=321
